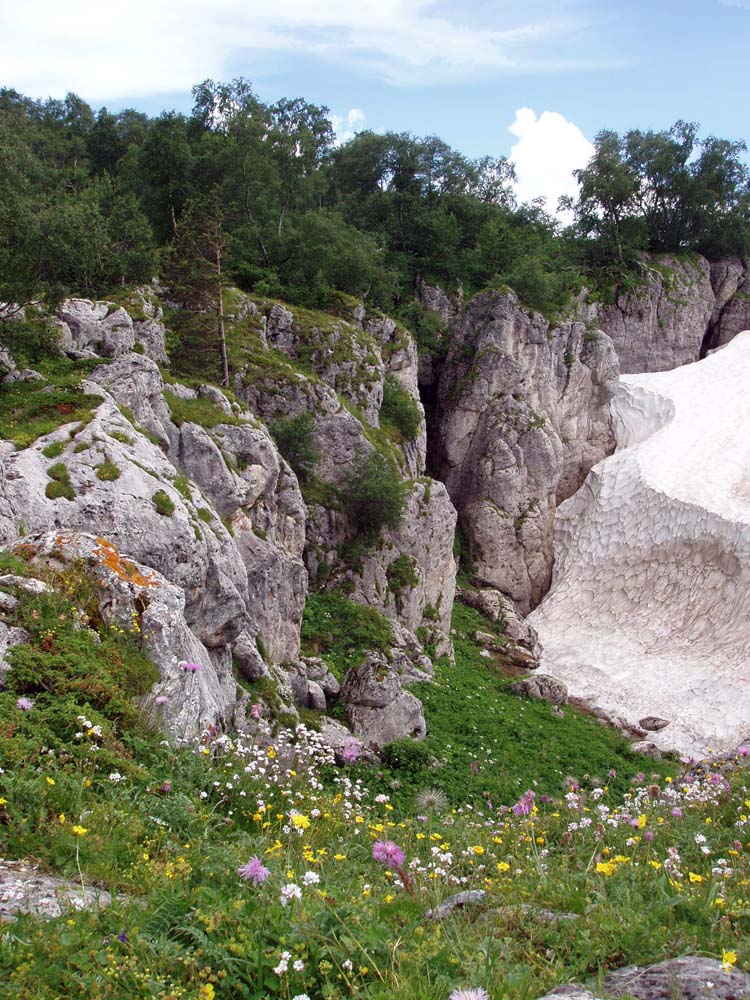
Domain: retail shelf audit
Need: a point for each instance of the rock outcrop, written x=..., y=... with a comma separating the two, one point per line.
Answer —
x=662, y=323
x=648, y=611
x=523, y=415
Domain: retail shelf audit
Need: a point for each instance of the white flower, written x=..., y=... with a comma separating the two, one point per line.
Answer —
x=301, y=996
x=310, y=878
x=298, y=965
x=347, y=965
x=288, y=892
x=115, y=777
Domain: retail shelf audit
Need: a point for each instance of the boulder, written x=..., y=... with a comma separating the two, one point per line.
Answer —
x=543, y=687
x=101, y=327
x=26, y=889
x=377, y=707
x=684, y=978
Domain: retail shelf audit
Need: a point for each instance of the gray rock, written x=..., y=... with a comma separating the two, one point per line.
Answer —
x=24, y=889
x=7, y=364
x=541, y=686
x=662, y=324
x=27, y=583
x=646, y=748
x=248, y=660
x=570, y=991
x=128, y=591
x=102, y=327
x=683, y=978
x=523, y=415
x=9, y=637
x=653, y=724
x=377, y=707
x=459, y=901
x=7, y=602
x=499, y=608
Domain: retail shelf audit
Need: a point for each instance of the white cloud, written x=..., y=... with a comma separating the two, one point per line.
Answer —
x=143, y=47
x=347, y=126
x=548, y=149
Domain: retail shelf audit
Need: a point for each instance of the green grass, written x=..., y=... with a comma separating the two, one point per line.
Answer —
x=342, y=631
x=61, y=485
x=163, y=503
x=198, y=411
x=168, y=828
x=107, y=471
x=31, y=409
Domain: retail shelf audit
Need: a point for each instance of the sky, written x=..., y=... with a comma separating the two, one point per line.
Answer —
x=533, y=80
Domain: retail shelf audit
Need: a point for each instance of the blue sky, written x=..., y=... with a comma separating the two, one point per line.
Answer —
x=455, y=68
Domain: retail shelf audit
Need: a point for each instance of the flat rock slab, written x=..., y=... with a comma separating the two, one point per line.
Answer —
x=24, y=889
x=689, y=978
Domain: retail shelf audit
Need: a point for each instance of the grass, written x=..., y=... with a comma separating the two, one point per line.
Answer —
x=163, y=503
x=168, y=828
x=60, y=486
x=342, y=631
x=107, y=471
x=198, y=411
x=31, y=409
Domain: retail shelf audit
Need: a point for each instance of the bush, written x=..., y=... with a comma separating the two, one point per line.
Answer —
x=400, y=410
x=295, y=439
x=373, y=493
x=162, y=502
x=342, y=631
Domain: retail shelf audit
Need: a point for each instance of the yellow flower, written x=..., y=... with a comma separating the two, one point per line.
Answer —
x=503, y=866
x=389, y=898
x=728, y=959
x=79, y=831
x=655, y=864
x=478, y=849
x=641, y=821
x=695, y=878
x=3, y=802
x=300, y=822
x=50, y=781
x=206, y=992
x=61, y=819
x=339, y=857
x=606, y=868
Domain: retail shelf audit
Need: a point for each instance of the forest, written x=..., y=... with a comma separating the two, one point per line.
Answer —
x=91, y=201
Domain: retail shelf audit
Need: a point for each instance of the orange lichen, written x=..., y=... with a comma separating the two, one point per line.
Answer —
x=123, y=568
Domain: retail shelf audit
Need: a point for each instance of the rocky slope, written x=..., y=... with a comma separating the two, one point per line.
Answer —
x=188, y=486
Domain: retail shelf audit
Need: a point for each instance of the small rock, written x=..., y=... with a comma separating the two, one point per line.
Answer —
x=652, y=723
x=570, y=991
x=28, y=583
x=24, y=889
x=7, y=602
x=679, y=979
x=647, y=748
x=541, y=686
x=471, y=897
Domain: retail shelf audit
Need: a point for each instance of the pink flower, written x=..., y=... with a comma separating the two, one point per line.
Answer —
x=743, y=751
x=190, y=668
x=389, y=853
x=161, y=699
x=254, y=871
x=525, y=804
x=352, y=751
x=256, y=709
x=24, y=704
x=474, y=993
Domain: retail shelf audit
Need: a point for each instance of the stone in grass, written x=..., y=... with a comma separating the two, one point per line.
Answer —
x=646, y=748
x=24, y=889
x=459, y=901
x=541, y=686
x=691, y=977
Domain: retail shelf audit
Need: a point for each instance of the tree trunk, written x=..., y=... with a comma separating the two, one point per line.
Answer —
x=220, y=318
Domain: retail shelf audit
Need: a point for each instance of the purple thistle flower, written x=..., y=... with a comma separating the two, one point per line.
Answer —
x=254, y=871
x=743, y=751
x=190, y=668
x=388, y=853
x=352, y=751
x=474, y=993
x=161, y=699
x=648, y=836
x=24, y=704
x=525, y=804
x=255, y=710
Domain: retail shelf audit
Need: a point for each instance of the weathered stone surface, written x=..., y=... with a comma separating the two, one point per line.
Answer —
x=499, y=608
x=685, y=978
x=662, y=324
x=523, y=415
x=459, y=901
x=7, y=364
x=248, y=660
x=25, y=889
x=128, y=591
x=731, y=313
x=646, y=748
x=377, y=707
x=541, y=686
x=101, y=327
x=570, y=991
x=653, y=724
x=9, y=637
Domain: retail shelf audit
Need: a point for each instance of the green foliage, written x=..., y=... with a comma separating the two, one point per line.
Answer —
x=342, y=632
x=107, y=471
x=182, y=484
x=409, y=756
x=163, y=504
x=400, y=410
x=29, y=340
x=295, y=439
x=198, y=411
x=31, y=409
x=402, y=575
x=61, y=485
x=373, y=494
x=53, y=449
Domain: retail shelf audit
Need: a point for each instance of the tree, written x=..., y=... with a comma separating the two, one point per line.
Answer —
x=373, y=494
x=194, y=272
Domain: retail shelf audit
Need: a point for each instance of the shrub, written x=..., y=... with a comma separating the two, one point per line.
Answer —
x=107, y=471
x=400, y=410
x=162, y=503
x=61, y=485
x=373, y=493
x=295, y=439
x=342, y=631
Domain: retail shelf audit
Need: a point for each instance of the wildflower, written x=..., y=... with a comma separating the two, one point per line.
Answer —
x=190, y=668
x=161, y=699
x=255, y=710
x=728, y=959
x=347, y=965
x=695, y=878
x=50, y=781
x=352, y=751
x=206, y=992
x=79, y=831
x=254, y=871
x=298, y=965
x=525, y=804
x=388, y=853
x=299, y=821
x=301, y=996
x=431, y=800
x=122, y=936
x=283, y=965
x=24, y=704
x=115, y=777
x=310, y=878
x=473, y=993
x=289, y=892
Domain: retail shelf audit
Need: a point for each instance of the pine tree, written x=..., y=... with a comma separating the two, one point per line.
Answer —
x=194, y=273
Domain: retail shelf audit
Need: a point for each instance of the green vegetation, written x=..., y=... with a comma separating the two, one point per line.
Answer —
x=295, y=439
x=61, y=485
x=182, y=484
x=373, y=494
x=107, y=471
x=163, y=504
x=342, y=631
x=198, y=411
x=401, y=575
x=31, y=409
x=54, y=449
x=400, y=410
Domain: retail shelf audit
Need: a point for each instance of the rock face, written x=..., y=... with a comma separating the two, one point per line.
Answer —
x=107, y=330
x=25, y=889
x=662, y=324
x=731, y=314
x=377, y=707
x=648, y=611
x=523, y=415
x=128, y=591
x=683, y=978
